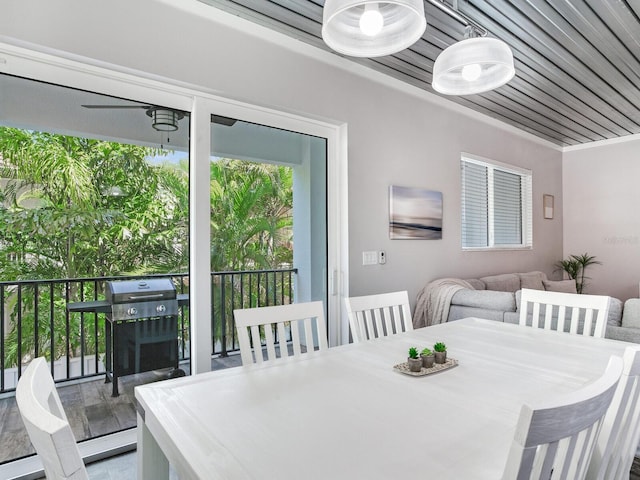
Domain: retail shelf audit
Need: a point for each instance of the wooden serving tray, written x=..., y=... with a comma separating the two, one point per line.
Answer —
x=438, y=367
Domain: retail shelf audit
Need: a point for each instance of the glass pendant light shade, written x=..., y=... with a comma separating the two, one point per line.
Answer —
x=474, y=65
x=372, y=28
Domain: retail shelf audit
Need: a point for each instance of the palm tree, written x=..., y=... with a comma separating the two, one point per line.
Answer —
x=575, y=267
x=75, y=207
x=251, y=219
x=251, y=215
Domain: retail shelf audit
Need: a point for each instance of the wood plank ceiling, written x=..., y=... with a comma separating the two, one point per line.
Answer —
x=577, y=61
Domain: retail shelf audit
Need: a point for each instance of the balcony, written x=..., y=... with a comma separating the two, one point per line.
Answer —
x=35, y=322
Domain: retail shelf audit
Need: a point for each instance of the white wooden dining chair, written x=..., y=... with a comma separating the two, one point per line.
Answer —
x=300, y=324
x=567, y=307
x=47, y=424
x=555, y=439
x=620, y=434
x=374, y=316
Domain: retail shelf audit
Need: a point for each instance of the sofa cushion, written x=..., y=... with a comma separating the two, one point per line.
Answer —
x=486, y=299
x=532, y=280
x=631, y=313
x=518, y=296
x=456, y=312
x=615, y=312
x=626, y=334
x=511, y=317
x=506, y=282
x=565, y=286
x=476, y=283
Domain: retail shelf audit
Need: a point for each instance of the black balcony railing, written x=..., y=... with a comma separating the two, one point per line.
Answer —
x=34, y=320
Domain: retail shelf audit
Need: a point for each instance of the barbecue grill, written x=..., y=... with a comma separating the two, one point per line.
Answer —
x=142, y=328
x=136, y=299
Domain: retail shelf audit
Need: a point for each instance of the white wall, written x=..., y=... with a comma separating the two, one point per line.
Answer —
x=602, y=214
x=400, y=137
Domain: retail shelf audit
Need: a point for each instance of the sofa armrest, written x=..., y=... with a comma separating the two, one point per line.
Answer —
x=626, y=334
x=486, y=299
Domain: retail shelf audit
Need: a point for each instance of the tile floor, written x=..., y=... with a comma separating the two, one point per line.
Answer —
x=121, y=467
x=91, y=409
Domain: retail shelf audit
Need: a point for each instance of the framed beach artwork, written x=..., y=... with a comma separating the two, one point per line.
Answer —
x=414, y=214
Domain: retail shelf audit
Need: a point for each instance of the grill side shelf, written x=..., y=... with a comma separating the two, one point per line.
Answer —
x=98, y=306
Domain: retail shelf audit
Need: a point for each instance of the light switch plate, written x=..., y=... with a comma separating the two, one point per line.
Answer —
x=370, y=258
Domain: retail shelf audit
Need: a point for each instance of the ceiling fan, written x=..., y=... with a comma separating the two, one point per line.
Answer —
x=165, y=119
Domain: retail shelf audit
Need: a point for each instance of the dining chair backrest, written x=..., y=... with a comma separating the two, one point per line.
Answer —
x=555, y=439
x=47, y=424
x=374, y=316
x=565, y=312
x=301, y=325
x=618, y=440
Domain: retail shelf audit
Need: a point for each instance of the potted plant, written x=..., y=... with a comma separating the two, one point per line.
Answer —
x=440, y=352
x=427, y=358
x=414, y=361
x=575, y=267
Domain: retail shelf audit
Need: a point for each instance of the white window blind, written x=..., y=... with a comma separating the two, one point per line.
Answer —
x=496, y=205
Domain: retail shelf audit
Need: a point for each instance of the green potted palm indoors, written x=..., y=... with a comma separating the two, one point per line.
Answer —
x=440, y=352
x=414, y=361
x=574, y=266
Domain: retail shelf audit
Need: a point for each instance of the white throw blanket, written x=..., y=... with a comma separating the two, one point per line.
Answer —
x=434, y=300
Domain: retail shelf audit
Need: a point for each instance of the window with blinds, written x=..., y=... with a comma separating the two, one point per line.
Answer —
x=496, y=205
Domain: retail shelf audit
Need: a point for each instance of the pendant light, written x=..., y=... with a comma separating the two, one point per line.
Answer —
x=372, y=28
x=163, y=119
x=474, y=65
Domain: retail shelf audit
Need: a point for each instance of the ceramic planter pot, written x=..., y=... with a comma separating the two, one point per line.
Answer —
x=441, y=357
x=428, y=360
x=415, y=364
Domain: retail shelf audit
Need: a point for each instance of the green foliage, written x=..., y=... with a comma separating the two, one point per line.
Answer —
x=413, y=352
x=251, y=215
x=75, y=207
x=440, y=347
x=426, y=352
x=60, y=219
x=575, y=266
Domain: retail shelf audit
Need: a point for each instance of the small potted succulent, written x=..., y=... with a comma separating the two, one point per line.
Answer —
x=427, y=358
x=440, y=351
x=414, y=361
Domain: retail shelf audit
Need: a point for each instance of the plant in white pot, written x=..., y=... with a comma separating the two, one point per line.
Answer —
x=414, y=361
x=440, y=352
x=427, y=358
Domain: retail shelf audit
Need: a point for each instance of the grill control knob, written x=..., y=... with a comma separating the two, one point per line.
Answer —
x=161, y=309
x=132, y=311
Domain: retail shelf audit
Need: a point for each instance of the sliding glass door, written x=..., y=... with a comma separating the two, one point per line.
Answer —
x=110, y=175
x=93, y=189
x=268, y=220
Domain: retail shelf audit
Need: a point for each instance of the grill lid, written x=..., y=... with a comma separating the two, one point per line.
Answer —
x=140, y=290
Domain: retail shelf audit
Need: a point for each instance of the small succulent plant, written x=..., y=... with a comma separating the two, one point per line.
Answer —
x=413, y=352
x=440, y=347
x=426, y=352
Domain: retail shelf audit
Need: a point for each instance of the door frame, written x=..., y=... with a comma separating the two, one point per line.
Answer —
x=47, y=65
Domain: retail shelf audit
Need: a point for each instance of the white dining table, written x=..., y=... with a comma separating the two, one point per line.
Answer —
x=346, y=413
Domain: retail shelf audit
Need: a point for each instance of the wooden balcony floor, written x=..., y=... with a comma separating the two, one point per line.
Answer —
x=90, y=408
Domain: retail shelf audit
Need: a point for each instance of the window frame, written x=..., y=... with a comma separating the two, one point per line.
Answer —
x=526, y=203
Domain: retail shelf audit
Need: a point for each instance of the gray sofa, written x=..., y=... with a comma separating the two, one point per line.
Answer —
x=497, y=297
